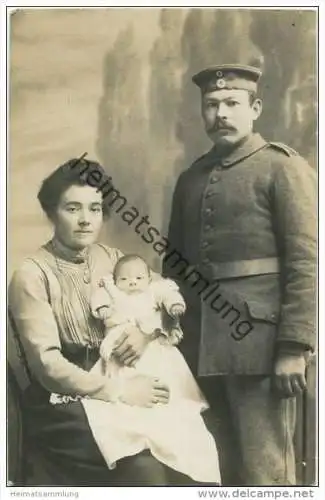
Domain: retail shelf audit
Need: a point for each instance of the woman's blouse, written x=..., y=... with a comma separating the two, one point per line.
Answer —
x=49, y=300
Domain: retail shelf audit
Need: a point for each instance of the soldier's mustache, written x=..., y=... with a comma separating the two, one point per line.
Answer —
x=221, y=126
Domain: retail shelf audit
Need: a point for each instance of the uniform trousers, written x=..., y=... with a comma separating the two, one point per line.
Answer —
x=254, y=429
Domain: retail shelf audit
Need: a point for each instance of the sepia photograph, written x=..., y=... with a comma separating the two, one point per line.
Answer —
x=162, y=247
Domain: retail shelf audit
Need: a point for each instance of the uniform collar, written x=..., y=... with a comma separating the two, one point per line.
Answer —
x=253, y=143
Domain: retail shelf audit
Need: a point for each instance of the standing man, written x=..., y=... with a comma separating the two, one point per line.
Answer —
x=244, y=218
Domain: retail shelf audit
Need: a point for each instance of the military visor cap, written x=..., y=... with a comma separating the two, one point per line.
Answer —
x=228, y=76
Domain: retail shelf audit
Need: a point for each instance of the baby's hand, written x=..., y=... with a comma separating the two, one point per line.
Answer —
x=104, y=312
x=177, y=310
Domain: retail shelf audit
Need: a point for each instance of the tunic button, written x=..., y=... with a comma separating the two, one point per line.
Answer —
x=207, y=227
x=208, y=211
x=205, y=261
x=208, y=194
x=214, y=179
x=205, y=244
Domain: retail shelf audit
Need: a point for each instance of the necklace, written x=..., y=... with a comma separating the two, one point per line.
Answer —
x=87, y=272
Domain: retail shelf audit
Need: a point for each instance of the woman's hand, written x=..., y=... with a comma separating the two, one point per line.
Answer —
x=142, y=390
x=131, y=345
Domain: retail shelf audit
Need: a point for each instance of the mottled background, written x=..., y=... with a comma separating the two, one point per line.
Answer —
x=116, y=83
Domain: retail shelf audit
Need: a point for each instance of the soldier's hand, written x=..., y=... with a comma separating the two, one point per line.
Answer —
x=289, y=378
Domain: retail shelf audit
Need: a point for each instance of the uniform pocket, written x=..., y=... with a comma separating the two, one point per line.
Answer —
x=239, y=338
x=261, y=311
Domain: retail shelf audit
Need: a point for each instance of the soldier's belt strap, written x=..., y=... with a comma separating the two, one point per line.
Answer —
x=241, y=268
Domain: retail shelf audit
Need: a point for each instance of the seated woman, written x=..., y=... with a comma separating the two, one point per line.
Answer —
x=49, y=300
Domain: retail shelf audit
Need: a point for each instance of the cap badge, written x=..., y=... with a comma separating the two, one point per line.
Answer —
x=221, y=83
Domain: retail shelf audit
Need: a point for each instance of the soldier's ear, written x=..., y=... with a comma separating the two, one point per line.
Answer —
x=257, y=107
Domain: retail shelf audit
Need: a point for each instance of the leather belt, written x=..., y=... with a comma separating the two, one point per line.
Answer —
x=239, y=268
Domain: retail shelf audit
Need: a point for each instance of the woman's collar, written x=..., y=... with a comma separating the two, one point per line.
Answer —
x=66, y=253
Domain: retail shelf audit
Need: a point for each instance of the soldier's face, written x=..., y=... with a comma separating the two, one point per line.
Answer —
x=229, y=115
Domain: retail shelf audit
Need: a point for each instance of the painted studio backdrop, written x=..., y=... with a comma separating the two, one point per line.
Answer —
x=117, y=84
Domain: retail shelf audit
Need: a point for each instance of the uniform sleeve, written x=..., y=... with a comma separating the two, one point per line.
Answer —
x=295, y=225
x=36, y=325
x=175, y=237
x=167, y=294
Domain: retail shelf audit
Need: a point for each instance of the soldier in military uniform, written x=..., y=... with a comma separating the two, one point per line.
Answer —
x=244, y=218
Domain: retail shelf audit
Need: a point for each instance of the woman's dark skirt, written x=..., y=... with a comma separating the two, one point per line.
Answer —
x=61, y=445
x=63, y=452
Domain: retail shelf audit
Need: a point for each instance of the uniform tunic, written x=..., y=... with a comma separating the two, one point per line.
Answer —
x=247, y=221
x=246, y=225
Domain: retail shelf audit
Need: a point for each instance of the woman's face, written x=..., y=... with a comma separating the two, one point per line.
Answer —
x=79, y=217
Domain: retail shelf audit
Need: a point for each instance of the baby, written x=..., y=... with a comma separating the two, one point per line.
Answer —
x=132, y=296
x=175, y=432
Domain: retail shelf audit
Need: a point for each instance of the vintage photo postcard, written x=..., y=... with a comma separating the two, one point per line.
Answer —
x=161, y=296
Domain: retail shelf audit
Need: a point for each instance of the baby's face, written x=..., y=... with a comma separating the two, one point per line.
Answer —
x=133, y=277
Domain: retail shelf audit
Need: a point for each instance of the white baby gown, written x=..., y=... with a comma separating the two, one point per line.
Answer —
x=175, y=433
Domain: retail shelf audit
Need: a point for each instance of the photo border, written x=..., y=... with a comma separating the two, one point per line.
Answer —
x=5, y=208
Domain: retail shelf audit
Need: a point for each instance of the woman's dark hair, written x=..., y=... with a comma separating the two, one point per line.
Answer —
x=75, y=172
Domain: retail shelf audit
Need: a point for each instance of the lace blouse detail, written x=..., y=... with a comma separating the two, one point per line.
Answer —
x=69, y=294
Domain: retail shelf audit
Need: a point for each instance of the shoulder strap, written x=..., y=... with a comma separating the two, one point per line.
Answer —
x=283, y=148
